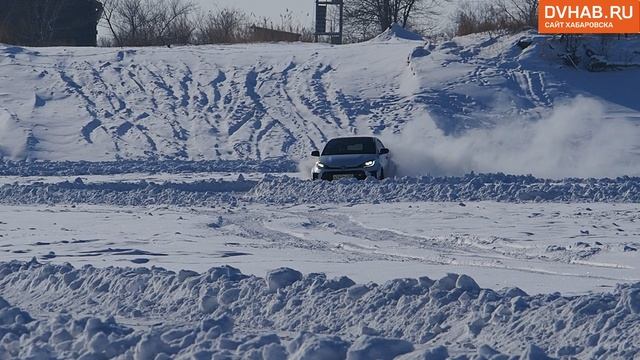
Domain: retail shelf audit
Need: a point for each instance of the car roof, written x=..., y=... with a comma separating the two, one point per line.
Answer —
x=354, y=137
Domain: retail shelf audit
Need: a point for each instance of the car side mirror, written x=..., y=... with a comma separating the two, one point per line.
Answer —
x=315, y=153
x=384, y=151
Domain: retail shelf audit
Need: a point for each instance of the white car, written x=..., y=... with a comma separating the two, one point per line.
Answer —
x=359, y=157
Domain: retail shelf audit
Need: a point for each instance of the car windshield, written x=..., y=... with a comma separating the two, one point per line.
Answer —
x=347, y=146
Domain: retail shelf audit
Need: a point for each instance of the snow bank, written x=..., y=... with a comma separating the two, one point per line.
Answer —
x=397, y=32
x=311, y=317
x=286, y=190
x=199, y=193
x=77, y=168
x=471, y=187
x=597, y=53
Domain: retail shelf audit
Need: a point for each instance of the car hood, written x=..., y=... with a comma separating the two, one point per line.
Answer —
x=348, y=161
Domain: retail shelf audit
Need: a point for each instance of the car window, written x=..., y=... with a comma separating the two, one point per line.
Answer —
x=347, y=146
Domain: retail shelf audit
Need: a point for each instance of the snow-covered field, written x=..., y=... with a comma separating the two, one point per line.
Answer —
x=164, y=202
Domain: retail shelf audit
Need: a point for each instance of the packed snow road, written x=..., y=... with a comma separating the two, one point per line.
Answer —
x=571, y=248
x=572, y=235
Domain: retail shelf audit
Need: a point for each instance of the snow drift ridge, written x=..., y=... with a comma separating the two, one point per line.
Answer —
x=205, y=313
x=397, y=32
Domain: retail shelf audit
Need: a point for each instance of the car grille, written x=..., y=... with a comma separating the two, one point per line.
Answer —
x=343, y=168
x=359, y=174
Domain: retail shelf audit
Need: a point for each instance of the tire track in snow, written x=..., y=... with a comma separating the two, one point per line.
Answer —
x=233, y=102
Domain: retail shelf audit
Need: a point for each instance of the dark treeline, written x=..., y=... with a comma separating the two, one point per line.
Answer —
x=166, y=22
x=49, y=22
x=500, y=15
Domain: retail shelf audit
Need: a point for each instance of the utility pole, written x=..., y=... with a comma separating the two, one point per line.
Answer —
x=321, y=20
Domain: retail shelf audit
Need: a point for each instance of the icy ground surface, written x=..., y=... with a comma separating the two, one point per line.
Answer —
x=541, y=248
x=157, y=314
x=539, y=236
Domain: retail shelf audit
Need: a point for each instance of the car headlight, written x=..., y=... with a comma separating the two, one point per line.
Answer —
x=319, y=165
x=370, y=163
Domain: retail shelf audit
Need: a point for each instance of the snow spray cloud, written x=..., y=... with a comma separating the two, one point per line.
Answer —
x=574, y=140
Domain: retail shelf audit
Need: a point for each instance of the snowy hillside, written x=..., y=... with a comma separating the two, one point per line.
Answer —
x=270, y=100
x=214, y=102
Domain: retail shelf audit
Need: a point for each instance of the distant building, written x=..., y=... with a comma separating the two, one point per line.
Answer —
x=261, y=34
x=50, y=22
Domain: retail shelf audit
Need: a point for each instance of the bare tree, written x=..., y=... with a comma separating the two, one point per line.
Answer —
x=501, y=16
x=110, y=18
x=522, y=12
x=479, y=17
x=149, y=22
x=176, y=22
x=117, y=16
x=181, y=31
x=164, y=22
x=373, y=16
x=222, y=27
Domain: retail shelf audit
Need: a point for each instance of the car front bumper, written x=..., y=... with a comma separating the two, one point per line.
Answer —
x=359, y=173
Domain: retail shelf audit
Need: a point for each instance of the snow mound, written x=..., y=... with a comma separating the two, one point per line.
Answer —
x=142, y=193
x=77, y=168
x=397, y=32
x=311, y=318
x=472, y=187
x=281, y=278
x=286, y=190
